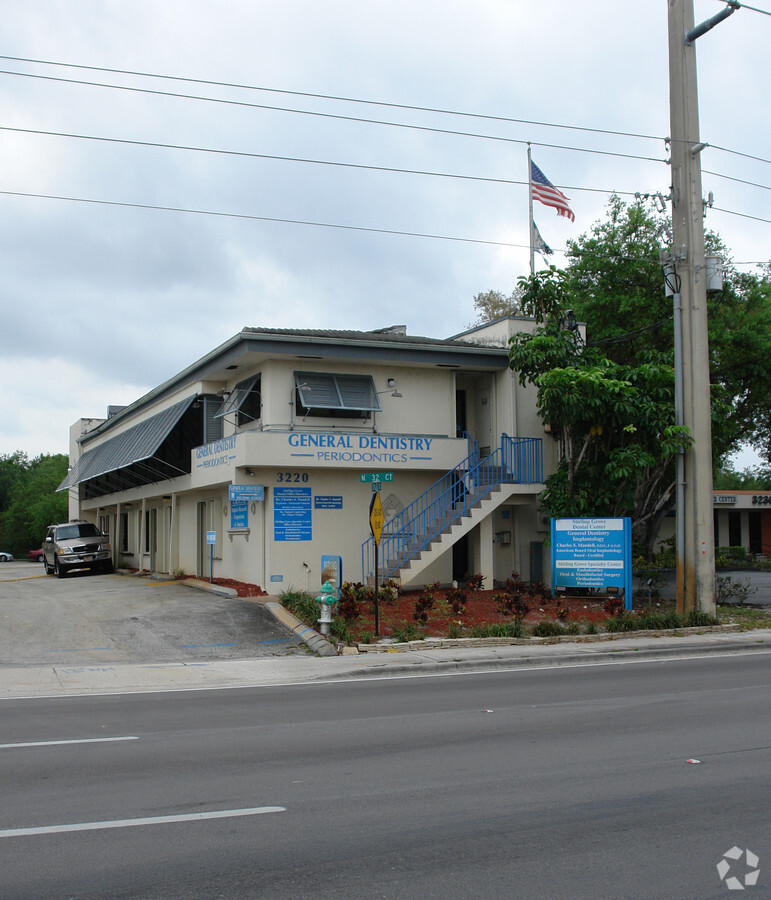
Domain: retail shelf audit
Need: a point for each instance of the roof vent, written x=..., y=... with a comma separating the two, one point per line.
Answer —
x=114, y=410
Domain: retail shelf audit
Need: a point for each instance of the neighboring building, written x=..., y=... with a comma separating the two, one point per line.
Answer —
x=303, y=415
x=743, y=519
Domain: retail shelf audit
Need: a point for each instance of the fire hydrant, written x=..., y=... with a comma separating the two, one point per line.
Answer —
x=327, y=598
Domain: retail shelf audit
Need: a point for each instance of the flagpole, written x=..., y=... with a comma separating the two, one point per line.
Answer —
x=530, y=208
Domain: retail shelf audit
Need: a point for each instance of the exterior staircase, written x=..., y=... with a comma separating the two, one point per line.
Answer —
x=451, y=507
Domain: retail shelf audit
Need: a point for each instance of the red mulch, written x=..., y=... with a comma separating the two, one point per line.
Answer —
x=480, y=610
x=243, y=588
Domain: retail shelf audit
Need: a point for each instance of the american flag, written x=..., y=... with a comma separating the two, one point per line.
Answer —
x=546, y=193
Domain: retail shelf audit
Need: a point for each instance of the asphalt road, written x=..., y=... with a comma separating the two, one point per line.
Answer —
x=87, y=619
x=559, y=783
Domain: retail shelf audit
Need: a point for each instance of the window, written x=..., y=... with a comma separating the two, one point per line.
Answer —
x=335, y=396
x=245, y=402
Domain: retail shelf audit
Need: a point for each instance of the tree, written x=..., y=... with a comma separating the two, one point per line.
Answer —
x=614, y=421
x=616, y=285
x=32, y=503
x=492, y=305
x=755, y=478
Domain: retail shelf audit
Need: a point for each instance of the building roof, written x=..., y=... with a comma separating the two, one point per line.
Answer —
x=381, y=346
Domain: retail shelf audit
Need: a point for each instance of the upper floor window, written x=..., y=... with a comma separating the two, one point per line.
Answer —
x=244, y=403
x=335, y=396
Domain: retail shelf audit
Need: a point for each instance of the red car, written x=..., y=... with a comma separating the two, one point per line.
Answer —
x=35, y=555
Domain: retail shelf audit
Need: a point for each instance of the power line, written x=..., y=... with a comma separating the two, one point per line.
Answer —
x=389, y=105
x=763, y=12
x=335, y=163
x=343, y=99
x=326, y=115
x=763, y=187
x=731, y=212
x=229, y=215
x=296, y=159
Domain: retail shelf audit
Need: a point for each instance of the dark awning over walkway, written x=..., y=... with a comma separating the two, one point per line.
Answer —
x=135, y=445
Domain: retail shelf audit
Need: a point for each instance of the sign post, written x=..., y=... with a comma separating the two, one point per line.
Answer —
x=211, y=540
x=376, y=518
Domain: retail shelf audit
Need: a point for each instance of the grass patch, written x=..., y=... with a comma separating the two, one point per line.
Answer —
x=746, y=617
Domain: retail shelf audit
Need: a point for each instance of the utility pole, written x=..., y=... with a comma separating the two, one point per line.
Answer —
x=696, y=557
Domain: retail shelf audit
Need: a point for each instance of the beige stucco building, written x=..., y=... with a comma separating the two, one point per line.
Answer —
x=250, y=463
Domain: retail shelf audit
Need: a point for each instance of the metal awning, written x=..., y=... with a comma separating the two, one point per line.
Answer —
x=135, y=445
x=326, y=391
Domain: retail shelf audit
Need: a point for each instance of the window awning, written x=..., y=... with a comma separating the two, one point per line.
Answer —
x=136, y=444
x=237, y=399
x=322, y=390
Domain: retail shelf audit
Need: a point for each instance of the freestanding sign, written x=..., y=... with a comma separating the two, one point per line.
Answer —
x=592, y=553
x=332, y=571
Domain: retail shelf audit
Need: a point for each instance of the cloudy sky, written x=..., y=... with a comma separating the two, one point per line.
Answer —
x=123, y=261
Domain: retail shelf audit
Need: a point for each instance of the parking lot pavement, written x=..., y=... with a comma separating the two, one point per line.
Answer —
x=87, y=619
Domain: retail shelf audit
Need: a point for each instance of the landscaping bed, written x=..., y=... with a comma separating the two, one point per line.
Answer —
x=514, y=611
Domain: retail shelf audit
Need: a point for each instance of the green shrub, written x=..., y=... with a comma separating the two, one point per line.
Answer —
x=303, y=605
x=340, y=630
x=547, y=629
x=730, y=590
x=503, y=629
x=407, y=632
x=697, y=618
x=623, y=622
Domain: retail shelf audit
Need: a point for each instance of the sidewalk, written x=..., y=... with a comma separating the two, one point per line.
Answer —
x=60, y=680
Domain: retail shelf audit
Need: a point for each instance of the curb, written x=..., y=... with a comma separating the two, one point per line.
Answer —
x=314, y=641
x=218, y=589
x=608, y=656
x=473, y=643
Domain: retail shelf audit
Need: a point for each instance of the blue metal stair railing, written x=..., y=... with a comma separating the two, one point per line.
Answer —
x=516, y=461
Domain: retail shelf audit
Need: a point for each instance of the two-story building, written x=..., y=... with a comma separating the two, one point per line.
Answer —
x=259, y=459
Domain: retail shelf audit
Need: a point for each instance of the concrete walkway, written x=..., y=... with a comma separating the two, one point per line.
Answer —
x=61, y=680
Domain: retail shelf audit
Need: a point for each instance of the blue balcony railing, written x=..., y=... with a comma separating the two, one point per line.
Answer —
x=516, y=461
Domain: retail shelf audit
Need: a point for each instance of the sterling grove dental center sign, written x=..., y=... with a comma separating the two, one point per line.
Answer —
x=592, y=553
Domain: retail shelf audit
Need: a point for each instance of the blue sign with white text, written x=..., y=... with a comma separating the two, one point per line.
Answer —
x=320, y=502
x=239, y=514
x=249, y=492
x=292, y=514
x=592, y=553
